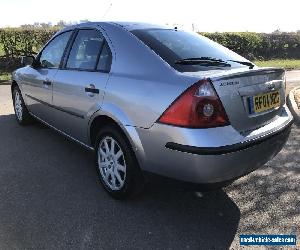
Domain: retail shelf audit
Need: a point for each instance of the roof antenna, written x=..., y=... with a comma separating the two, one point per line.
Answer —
x=108, y=9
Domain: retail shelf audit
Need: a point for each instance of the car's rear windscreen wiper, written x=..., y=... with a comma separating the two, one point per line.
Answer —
x=250, y=64
x=203, y=61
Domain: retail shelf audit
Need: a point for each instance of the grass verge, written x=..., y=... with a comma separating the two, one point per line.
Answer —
x=281, y=63
x=5, y=77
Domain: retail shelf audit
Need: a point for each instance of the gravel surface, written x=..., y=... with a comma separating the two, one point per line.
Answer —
x=51, y=199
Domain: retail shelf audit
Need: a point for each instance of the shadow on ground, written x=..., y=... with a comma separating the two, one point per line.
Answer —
x=51, y=199
x=269, y=198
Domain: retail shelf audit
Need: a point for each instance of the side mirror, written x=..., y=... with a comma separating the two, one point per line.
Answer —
x=27, y=60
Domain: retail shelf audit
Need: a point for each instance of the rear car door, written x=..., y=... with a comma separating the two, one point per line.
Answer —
x=78, y=88
x=37, y=81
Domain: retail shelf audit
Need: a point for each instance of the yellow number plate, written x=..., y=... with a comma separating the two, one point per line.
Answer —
x=263, y=102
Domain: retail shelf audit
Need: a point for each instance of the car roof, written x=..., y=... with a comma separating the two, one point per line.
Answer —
x=126, y=25
x=137, y=25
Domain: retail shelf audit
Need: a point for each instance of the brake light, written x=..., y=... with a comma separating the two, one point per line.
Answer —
x=198, y=107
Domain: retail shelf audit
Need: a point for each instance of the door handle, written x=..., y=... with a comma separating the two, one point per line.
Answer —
x=47, y=82
x=91, y=89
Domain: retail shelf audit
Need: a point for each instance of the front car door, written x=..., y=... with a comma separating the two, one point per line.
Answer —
x=37, y=80
x=78, y=87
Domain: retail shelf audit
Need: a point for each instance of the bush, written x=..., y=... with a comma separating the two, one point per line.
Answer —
x=259, y=45
x=283, y=46
x=243, y=43
x=16, y=42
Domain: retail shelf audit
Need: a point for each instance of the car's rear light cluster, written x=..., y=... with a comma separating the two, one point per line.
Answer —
x=198, y=107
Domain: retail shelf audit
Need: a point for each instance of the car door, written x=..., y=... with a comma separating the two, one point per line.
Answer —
x=78, y=87
x=37, y=80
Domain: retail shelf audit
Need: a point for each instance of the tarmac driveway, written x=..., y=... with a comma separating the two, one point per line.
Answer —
x=293, y=79
x=50, y=199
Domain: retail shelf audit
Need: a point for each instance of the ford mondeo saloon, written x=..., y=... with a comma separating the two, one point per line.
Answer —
x=148, y=98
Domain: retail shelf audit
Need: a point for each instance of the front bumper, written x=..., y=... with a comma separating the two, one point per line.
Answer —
x=210, y=155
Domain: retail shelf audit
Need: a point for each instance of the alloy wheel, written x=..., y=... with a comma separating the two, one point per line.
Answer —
x=111, y=163
x=18, y=106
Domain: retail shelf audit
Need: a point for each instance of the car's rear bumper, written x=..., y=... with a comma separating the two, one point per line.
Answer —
x=280, y=134
x=206, y=156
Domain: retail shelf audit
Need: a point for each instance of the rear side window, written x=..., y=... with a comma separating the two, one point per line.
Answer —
x=173, y=45
x=105, y=59
x=86, y=50
x=53, y=52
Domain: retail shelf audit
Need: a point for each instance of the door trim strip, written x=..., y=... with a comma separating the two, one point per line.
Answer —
x=63, y=133
x=55, y=107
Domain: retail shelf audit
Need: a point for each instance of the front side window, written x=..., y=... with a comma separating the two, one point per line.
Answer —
x=86, y=50
x=53, y=52
x=175, y=45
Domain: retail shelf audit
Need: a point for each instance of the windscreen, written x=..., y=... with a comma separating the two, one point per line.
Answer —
x=175, y=45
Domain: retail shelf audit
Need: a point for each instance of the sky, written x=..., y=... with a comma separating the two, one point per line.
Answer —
x=208, y=15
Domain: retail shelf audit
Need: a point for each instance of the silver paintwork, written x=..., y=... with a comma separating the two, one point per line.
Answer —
x=63, y=133
x=208, y=168
x=138, y=89
x=32, y=83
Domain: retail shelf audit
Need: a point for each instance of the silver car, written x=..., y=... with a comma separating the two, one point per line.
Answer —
x=148, y=98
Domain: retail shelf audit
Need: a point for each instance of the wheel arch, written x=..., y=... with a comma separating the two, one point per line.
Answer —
x=13, y=85
x=96, y=124
x=102, y=118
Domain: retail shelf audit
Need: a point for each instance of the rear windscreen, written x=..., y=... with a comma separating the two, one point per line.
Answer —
x=173, y=45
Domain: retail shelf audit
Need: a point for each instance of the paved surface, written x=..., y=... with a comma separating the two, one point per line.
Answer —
x=293, y=75
x=50, y=199
x=293, y=79
x=297, y=96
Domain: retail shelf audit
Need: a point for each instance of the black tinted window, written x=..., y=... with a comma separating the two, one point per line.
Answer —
x=105, y=59
x=53, y=52
x=173, y=45
x=85, y=50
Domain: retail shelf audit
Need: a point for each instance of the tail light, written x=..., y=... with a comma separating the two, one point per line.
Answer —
x=198, y=107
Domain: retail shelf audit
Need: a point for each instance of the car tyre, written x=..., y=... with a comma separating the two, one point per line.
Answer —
x=21, y=112
x=116, y=164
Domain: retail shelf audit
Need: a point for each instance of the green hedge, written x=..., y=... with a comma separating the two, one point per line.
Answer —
x=259, y=45
x=15, y=42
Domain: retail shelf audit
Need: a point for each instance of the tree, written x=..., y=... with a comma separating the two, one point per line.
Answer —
x=61, y=24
